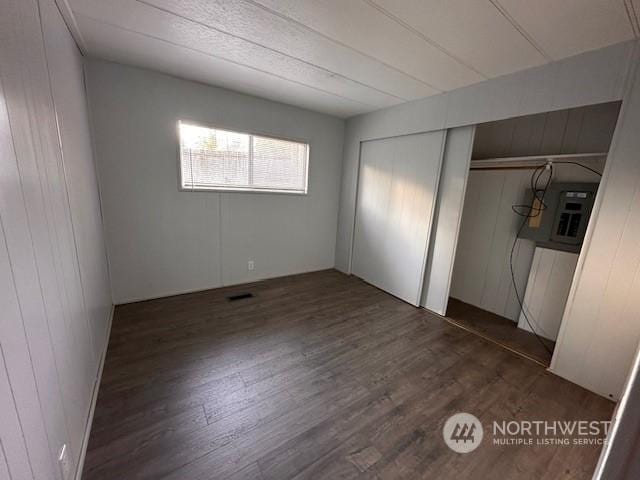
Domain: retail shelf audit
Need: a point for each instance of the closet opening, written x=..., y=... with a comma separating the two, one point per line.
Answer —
x=530, y=193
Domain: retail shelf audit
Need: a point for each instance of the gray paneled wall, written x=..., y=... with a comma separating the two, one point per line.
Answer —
x=54, y=294
x=600, y=329
x=577, y=130
x=481, y=274
x=163, y=241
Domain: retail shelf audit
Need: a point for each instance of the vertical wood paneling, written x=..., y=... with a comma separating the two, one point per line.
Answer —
x=23, y=332
x=619, y=457
x=504, y=293
x=481, y=274
x=67, y=87
x=572, y=131
x=497, y=276
x=14, y=355
x=4, y=468
x=45, y=222
x=463, y=252
x=50, y=173
x=79, y=186
x=600, y=329
x=398, y=186
x=521, y=264
x=477, y=236
x=547, y=291
x=577, y=130
x=49, y=352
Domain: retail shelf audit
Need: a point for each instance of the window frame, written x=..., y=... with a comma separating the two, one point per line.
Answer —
x=222, y=189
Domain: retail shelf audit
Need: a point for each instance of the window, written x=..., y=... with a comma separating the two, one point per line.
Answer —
x=214, y=159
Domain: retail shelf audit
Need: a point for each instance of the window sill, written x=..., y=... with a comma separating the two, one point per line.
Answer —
x=243, y=190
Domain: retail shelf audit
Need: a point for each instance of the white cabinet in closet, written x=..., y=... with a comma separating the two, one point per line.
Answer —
x=547, y=290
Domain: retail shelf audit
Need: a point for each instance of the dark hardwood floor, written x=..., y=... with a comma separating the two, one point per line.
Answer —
x=501, y=330
x=318, y=376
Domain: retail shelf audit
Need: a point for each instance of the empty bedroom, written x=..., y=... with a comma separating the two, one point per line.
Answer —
x=319, y=239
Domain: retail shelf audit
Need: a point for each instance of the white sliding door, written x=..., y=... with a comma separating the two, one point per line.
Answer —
x=447, y=218
x=396, y=195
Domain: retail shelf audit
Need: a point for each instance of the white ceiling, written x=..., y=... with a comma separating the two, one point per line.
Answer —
x=346, y=57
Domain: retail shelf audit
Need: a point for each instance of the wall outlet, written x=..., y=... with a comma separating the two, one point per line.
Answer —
x=63, y=462
x=251, y=265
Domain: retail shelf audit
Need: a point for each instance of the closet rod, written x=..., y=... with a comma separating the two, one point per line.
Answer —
x=531, y=162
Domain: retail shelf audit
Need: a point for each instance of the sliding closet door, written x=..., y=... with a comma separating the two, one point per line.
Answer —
x=447, y=218
x=396, y=194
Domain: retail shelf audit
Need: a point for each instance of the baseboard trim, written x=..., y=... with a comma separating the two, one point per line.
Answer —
x=176, y=293
x=94, y=398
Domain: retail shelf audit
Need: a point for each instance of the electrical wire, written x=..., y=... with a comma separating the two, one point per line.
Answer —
x=533, y=210
x=570, y=162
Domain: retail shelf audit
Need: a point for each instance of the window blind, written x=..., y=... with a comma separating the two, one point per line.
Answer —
x=215, y=159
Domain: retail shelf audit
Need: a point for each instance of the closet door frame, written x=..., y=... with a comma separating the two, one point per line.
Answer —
x=423, y=261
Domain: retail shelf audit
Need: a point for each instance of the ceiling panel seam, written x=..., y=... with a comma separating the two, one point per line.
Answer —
x=520, y=29
x=338, y=42
x=279, y=52
x=423, y=37
x=225, y=60
x=632, y=14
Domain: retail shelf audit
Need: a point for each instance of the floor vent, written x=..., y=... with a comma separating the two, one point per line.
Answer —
x=239, y=296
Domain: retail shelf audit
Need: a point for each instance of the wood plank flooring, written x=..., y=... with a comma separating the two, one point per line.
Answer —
x=499, y=329
x=318, y=376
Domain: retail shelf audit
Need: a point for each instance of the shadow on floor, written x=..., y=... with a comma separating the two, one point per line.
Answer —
x=499, y=329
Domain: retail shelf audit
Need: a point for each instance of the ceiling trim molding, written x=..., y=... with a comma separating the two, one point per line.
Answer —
x=423, y=37
x=261, y=45
x=338, y=42
x=521, y=29
x=69, y=18
x=251, y=67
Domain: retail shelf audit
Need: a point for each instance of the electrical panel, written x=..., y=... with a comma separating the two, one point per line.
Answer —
x=562, y=222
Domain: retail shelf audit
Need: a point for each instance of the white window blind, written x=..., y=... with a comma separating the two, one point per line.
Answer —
x=214, y=159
